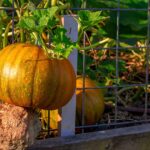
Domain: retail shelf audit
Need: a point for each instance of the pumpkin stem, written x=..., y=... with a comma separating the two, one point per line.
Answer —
x=39, y=41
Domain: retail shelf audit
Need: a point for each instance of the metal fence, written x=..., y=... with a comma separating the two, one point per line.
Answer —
x=116, y=121
x=112, y=120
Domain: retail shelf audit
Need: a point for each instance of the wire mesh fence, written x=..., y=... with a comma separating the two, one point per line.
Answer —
x=124, y=66
x=121, y=111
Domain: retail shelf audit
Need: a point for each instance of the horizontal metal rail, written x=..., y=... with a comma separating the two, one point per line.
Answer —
x=111, y=9
x=111, y=125
x=121, y=48
x=115, y=124
x=114, y=86
x=92, y=9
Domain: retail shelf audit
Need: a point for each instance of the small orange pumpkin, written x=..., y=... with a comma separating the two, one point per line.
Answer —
x=28, y=78
x=93, y=102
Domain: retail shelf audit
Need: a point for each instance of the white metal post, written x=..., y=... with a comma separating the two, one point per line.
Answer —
x=68, y=112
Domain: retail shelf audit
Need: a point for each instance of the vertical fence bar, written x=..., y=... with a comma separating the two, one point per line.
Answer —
x=117, y=65
x=147, y=61
x=13, y=15
x=68, y=112
x=49, y=122
x=83, y=90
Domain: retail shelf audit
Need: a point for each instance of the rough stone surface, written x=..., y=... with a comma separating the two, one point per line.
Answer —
x=18, y=127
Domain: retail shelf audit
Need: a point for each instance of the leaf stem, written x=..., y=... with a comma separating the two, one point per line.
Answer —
x=80, y=34
x=22, y=36
x=65, y=6
x=17, y=11
x=5, y=40
x=83, y=5
x=47, y=4
x=53, y=2
x=94, y=45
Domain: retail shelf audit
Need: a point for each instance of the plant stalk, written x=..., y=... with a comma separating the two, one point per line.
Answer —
x=22, y=36
x=94, y=45
x=62, y=7
x=17, y=11
x=5, y=40
x=47, y=4
x=53, y=2
x=83, y=5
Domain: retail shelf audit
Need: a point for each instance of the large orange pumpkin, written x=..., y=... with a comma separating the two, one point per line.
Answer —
x=93, y=105
x=28, y=78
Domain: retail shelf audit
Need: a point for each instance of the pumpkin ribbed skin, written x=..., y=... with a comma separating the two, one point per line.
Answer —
x=93, y=105
x=28, y=78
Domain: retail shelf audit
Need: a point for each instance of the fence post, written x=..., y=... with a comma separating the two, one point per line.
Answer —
x=67, y=125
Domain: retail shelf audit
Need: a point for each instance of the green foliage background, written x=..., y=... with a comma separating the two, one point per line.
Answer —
x=132, y=27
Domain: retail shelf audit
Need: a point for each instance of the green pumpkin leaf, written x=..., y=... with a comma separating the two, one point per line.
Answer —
x=88, y=19
x=27, y=23
x=63, y=44
x=39, y=20
x=45, y=20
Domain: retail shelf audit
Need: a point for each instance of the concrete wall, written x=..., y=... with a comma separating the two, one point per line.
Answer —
x=129, y=138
